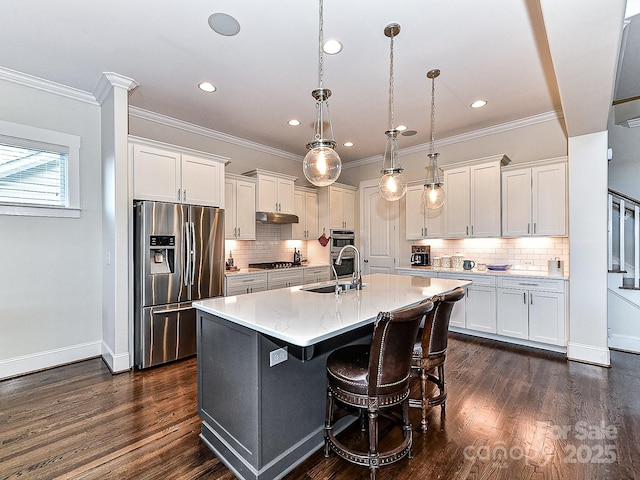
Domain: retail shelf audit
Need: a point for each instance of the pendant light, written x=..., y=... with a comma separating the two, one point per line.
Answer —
x=433, y=195
x=321, y=165
x=392, y=185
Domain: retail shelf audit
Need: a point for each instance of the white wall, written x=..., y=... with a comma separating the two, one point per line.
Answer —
x=624, y=167
x=50, y=286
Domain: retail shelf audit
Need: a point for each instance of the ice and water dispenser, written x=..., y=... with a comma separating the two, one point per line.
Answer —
x=162, y=250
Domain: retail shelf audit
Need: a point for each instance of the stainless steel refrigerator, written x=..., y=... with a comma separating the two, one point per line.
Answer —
x=178, y=258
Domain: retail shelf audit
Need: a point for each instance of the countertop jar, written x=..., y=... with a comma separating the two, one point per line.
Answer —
x=435, y=262
x=457, y=261
x=445, y=261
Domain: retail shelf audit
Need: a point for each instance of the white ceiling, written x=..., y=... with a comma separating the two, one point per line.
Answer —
x=497, y=50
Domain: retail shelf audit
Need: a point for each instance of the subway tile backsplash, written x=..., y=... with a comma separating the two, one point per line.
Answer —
x=268, y=247
x=527, y=253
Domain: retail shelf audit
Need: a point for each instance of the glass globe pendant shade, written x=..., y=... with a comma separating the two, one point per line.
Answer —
x=392, y=185
x=433, y=196
x=321, y=165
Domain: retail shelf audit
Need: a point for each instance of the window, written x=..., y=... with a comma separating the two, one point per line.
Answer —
x=38, y=172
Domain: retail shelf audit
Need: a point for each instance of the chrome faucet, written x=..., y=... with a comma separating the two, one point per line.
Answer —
x=338, y=289
x=357, y=275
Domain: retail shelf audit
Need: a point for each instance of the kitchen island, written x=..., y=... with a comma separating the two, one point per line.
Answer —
x=262, y=359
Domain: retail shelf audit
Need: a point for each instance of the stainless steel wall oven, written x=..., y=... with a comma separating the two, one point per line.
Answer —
x=340, y=238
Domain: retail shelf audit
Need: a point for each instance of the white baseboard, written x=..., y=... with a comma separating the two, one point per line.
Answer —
x=625, y=342
x=588, y=354
x=12, y=367
x=116, y=363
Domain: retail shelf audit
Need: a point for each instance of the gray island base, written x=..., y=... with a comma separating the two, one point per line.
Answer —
x=262, y=366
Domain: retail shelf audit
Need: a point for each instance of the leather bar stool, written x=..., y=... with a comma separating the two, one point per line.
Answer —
x=374, y=379
x=430, y=352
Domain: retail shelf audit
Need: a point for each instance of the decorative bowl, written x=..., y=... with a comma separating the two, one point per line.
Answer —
x=498, y=267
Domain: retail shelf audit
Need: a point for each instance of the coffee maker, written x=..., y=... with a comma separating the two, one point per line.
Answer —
x=420, y=255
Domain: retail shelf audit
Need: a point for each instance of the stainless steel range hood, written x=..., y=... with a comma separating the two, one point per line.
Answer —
x=275, y=217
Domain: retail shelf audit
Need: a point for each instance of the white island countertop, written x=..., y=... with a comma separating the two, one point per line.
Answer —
x=305, y=318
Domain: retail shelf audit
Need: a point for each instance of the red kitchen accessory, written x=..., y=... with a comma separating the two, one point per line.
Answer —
x=324, y=240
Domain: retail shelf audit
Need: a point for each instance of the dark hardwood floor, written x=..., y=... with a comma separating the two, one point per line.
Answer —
x=512, y=413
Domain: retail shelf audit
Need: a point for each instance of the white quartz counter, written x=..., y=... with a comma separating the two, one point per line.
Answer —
x=305, y=318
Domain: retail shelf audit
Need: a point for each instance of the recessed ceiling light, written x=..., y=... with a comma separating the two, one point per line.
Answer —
x=348, y=144
x=332, y=47
x=401, y=128
x=408, y=133
x=293, y=122
x=478, y=104
x=224, y=24
x=207, y=87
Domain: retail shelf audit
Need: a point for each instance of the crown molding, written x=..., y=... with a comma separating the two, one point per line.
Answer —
x=464, y=137
x=138, y=112
x=110, y=80
x=46, y=85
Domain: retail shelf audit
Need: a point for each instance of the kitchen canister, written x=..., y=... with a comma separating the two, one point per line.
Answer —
x=445, y=261
x=457, y=261
x=555, y=267
x=435, y=262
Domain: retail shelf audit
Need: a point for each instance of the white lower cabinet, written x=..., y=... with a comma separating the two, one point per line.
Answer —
x=316, y=274
x=289, y=277
x=477, y=310
x=238, y=284
x=532, y=309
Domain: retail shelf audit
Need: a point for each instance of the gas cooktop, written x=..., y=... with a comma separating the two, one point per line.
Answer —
x=273, y=265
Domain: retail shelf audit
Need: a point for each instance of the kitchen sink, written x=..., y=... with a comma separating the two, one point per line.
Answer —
x=330, y=287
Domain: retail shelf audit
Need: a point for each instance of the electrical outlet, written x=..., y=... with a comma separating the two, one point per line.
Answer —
x=278, y=356
x=527, y=263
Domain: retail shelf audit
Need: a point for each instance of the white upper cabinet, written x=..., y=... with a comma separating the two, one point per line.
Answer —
x=202, y=179
x=171, y=174
x=240, y=212
x=337, y=205
x=534, y=199
x=473, y=201
x=274, y=192
x=306, y=208
x=421, y=222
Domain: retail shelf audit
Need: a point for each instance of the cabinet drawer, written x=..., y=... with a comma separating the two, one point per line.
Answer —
x=245, y=280
x=416, y=272
x=483, y=280
x=283, y=279
x=535, y=284
x=316, y=274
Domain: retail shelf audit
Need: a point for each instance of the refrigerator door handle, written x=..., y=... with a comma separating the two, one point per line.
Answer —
x=170, y=310
x=193, y=252
x=187, y=255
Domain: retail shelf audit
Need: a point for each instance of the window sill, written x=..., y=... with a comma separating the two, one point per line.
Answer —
x=39, y=211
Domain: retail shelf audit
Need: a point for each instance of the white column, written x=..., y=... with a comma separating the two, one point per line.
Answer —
x=112, y=94
x=588, y=249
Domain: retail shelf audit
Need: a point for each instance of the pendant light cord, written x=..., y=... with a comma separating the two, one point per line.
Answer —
x=433, y=114
x=391, y=102
x=320, y=49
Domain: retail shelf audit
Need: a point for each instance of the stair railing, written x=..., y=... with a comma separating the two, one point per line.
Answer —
x=624, y=204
